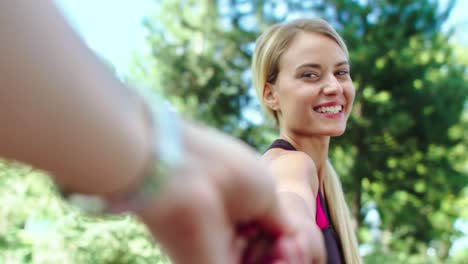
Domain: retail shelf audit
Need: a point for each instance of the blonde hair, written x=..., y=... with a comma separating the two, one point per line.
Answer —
x=269, y=48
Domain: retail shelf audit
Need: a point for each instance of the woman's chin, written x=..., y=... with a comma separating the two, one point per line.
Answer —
x=337, y=133
x=329, y=133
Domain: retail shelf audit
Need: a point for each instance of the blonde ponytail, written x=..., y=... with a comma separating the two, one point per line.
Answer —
x=340, y=215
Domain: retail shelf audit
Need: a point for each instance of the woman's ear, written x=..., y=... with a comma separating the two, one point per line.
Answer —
x=270, y=97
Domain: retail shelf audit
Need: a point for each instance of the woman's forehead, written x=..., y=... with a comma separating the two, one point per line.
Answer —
x=312, y=48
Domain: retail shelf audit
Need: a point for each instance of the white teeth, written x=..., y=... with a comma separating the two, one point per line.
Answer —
x=330, y=109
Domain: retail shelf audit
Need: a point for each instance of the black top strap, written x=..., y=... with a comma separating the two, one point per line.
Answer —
x=283, y=144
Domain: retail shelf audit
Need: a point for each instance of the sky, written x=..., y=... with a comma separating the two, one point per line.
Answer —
x=113, y=28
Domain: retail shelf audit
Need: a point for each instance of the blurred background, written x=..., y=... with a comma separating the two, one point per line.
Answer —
x=403, y=160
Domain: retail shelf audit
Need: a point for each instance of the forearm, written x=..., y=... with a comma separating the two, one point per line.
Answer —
x=301, y=214
x=295, y=205
x=61, y=109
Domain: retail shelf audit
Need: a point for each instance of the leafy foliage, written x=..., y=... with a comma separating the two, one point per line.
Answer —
x=200, y=61
x=37, y=226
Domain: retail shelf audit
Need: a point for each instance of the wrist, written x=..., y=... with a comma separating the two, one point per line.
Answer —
x=164, y=155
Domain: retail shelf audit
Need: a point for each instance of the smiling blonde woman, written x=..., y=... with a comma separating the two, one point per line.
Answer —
x=301, y=73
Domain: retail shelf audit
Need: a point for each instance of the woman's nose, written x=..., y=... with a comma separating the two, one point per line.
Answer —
x=332, y=86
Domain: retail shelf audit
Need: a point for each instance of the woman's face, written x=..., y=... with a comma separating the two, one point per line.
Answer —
x=313, y=93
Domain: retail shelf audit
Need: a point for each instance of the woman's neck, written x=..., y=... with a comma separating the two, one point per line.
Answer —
x=314, y=146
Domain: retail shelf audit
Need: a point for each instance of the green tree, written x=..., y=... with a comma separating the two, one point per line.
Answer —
x=199, y=60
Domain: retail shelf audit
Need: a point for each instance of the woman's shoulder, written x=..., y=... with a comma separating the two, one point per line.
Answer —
x=292, y=167
x=290, y=161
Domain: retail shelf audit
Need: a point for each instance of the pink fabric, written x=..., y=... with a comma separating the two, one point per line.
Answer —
x=320, y=217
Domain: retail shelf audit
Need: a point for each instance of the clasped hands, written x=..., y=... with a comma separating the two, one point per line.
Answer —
x=221, y=208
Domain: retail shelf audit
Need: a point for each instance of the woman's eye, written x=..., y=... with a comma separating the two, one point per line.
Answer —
x=342, y=73
x=309, y=75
